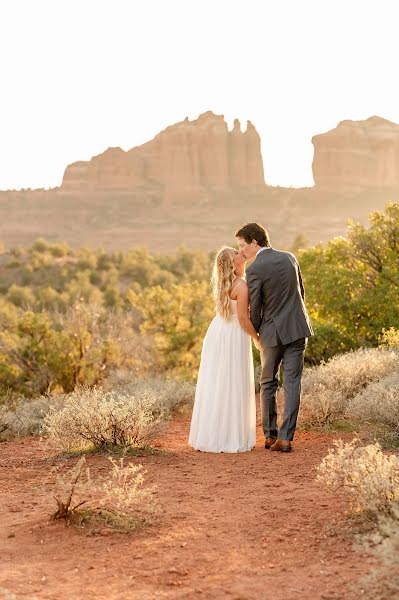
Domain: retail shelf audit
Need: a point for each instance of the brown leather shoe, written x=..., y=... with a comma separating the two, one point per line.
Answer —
x=269, y=441
x=281, y=446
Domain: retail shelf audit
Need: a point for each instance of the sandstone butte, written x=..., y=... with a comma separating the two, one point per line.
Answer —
x=192, y=157
x=185, y=159
x=357, y=154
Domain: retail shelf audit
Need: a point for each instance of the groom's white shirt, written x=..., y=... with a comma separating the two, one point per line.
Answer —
x=261, y=250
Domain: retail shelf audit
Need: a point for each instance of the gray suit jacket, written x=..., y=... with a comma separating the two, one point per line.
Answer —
x=276, y=297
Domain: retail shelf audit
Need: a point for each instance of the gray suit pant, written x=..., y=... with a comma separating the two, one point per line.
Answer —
x=291, y=357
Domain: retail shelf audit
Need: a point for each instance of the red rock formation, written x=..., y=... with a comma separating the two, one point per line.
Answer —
x=191, y=156
x=358, y=154
x=254, y=166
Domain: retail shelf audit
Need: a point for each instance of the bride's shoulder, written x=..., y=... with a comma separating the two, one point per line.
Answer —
x=240, y=282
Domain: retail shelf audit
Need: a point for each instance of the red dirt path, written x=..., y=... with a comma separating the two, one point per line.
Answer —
x=252, y=526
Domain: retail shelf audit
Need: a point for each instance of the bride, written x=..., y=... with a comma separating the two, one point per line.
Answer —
x=224, y=414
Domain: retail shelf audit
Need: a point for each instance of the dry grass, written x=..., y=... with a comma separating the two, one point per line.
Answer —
x=383, y=581
x=119, y=499
x=371, y=476
x=103, y=420
x=171, y=395
x=377, y=403
x=126, y=412
x=328, y=388
x=23, y=417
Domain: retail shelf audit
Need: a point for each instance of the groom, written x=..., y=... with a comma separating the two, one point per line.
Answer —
x=278, y=313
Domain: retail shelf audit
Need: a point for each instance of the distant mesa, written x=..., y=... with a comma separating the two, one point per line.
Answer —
x=357, y=154
x=190, y=157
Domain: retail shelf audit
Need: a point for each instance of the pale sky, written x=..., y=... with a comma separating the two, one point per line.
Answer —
x=79, y=76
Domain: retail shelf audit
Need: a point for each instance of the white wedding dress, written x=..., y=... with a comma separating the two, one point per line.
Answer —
x=224, y=413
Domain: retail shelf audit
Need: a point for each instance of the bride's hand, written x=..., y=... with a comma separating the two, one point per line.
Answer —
x=257, y=343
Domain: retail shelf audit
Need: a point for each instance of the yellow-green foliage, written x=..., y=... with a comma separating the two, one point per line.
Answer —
x=44, y=351
x=178, y=319
x=389, y=338
x=352, y=286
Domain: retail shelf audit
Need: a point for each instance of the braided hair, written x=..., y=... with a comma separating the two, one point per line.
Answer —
x=223, y=275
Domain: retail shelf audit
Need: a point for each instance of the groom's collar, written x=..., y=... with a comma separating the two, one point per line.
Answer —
x=261, y=250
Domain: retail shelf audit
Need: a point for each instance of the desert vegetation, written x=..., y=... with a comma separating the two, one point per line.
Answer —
x=96, y=347
x=372, y=479
x=352, y=286
x=72, y=317
x=345, y=384
x=123, y=414
x=118, y=499
x=99, y=350
x=126, y=418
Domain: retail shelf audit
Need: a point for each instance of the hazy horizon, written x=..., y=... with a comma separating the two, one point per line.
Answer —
x=81, y=77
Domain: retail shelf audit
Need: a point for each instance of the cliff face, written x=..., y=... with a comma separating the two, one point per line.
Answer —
x=191, y=156
x=357, y=154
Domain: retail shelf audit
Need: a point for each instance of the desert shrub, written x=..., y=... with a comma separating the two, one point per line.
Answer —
x=26, y=277
x=187, y=265
x=40, y=261
x=59, y=250
x=328, y=387
x=371, y=476
x=54, y=351
x=47, y=298
x=21, y=296
x=99, y=419
x=170, y=394
x=40, y=245
x=118, y=498
x=383, y=581
x=87, y=259
x=389, y=338
x=352, y=283
x=378, y=402
x=80, y=289
x=23, y=417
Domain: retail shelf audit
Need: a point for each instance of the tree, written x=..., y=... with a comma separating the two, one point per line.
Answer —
x=352, y=285
x=39, y=352
x=178, y=319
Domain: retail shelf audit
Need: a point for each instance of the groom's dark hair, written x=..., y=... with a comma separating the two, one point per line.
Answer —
x=254, y=231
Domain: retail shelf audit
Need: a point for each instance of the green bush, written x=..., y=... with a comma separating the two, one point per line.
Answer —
x=352, y=284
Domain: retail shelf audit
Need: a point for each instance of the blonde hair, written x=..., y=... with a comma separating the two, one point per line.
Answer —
x=223, y=276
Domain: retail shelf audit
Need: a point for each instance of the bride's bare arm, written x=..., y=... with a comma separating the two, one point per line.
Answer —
x=243, y=313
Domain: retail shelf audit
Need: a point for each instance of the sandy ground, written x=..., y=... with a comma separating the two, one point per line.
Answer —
x=250, y=526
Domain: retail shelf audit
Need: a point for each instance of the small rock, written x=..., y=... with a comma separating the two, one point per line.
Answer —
x=105, y=532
